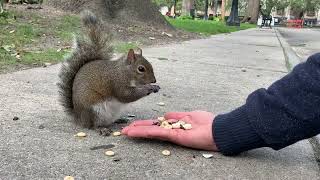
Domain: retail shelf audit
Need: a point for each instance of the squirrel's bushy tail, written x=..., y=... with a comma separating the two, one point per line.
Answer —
x=94, y=44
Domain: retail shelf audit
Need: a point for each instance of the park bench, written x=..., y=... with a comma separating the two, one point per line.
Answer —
x=295, y=23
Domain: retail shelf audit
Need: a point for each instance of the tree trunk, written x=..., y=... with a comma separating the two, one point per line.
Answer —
x=185, y=11
x=223, y=8
x=187, y=7
x=215, y=7
x=175, y=8
x=233, y=19
x=255, y=11
x=247, y=17
x=117, y=11
x=1, y=6
x=206, y=6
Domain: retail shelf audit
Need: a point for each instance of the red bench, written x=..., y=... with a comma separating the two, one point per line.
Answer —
x=295, y=23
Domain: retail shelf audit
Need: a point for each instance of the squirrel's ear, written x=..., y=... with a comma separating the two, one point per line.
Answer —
x=131, y=56
x=139, y=51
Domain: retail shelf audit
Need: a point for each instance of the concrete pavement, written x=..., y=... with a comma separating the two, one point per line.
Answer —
x=298, y=45
x=304, y=42
x=214, y=74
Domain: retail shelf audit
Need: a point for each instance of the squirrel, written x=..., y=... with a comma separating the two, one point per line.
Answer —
x=93, y=86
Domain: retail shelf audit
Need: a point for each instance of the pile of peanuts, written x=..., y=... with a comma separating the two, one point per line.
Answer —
x=162, y=122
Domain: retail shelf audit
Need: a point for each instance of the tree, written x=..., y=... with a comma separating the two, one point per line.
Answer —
x=268, y=5
x=254, y=11
x=302, y=6
x=223, y=8
x=187, y=7
x=1, y=6
x=206, y=6
x=164, y=2
x=215, y=6
x=233, y=19
x=242, y=6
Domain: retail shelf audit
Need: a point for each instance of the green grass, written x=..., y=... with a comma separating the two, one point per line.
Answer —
x=124, y=47
x=24, y=35
x=66, y=26
x=30, y=58
x=49, y=55
x=206, y=27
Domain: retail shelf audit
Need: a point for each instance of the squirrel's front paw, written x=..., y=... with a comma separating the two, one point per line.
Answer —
x=155, y=88
x=152, y=88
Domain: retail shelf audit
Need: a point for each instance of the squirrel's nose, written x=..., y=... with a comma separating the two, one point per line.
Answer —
x=154, y=81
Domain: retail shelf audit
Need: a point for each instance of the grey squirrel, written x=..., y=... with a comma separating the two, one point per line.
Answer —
x=93, y=87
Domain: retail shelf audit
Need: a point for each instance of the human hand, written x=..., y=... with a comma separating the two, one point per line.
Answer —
x=199, y=137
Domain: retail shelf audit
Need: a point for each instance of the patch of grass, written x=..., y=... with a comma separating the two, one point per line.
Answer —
x=122, y=47
x=49, y=55
x=29, y=58
x=66, y=26
x=206, y=27
x=6, y=58
x=23, y=33
x=18, y=33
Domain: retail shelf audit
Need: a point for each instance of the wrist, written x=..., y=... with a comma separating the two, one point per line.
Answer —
x=233, y=134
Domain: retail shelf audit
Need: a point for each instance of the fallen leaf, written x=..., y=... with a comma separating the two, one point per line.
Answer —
x=8, y=48
x=167, y=34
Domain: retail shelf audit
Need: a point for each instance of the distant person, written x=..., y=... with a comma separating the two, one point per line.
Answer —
x=287, y=112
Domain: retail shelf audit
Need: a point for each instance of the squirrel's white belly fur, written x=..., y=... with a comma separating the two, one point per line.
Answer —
x=108, y=112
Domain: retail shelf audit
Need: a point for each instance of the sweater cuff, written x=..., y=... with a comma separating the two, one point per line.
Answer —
x=233, y=133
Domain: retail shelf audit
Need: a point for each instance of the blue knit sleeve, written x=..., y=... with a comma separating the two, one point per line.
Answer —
x=286, y=112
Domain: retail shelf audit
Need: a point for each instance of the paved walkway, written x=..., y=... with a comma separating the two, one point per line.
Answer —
x=304, y=42
x=200, y=74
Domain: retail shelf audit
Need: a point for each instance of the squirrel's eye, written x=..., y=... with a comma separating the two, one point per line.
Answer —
x=141, y=69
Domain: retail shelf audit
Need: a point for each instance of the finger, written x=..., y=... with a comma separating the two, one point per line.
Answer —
x=124, y=131
x=148, y=122
x=155, y=132
x=176, y=115
x=137, y=123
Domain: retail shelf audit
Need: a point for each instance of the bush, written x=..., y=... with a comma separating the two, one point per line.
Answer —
x=185, y=17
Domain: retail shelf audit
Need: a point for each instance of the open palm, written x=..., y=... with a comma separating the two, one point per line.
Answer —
x=200, y=136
